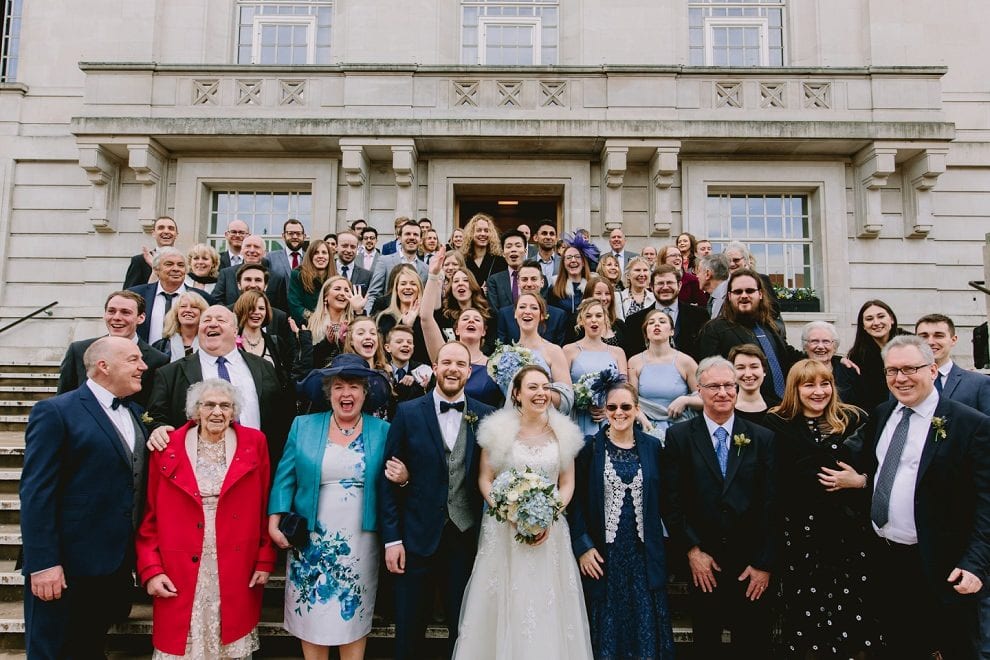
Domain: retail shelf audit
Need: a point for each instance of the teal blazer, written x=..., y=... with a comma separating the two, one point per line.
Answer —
x=296, y=486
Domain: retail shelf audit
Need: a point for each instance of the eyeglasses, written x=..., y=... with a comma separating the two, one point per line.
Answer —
x=222, y=405
x=819, y=342
x=294, y=233
x=739, y=292
x=891, y=372
x=716, y=387
x=237, y=232
x=624, y=407
x=572, y=257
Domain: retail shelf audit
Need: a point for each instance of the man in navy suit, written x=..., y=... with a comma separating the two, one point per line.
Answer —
x=347, y=264
x=170, y=266
x=552, y=329
x=285, y=261
x=429, y=523
x=395, y=246
x=970, y=388
x=499, y=288
x=719, y=507
x=81, y=491
x=139, y=270
x=927, y=461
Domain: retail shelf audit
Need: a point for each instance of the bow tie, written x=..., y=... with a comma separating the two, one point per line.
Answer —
x=116, y=403
x=446, y=405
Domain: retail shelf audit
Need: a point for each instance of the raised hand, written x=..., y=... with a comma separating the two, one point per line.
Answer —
x=357, y=300
x=436, y=263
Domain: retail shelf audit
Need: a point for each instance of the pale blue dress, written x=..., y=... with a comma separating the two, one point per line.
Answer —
x=586, y=362
x=330, y=586
x=659, y=384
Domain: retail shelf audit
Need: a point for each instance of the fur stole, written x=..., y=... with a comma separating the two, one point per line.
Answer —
x=499, y=430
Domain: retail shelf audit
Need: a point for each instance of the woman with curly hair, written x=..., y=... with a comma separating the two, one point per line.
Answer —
x=305, y=282
x=482, y=248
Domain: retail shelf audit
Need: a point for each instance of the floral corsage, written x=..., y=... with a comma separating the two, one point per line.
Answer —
x=740, y=440
x=146, y=418
x=938, y=423
x=471, y=418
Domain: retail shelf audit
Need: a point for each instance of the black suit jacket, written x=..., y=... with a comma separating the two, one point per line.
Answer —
x=687, y=329
x=138, y=272
x=732, y=518
x=227, y=293
x=147, y=291
x=951, y=493
x=416, y=514
x=719, y=336
x=168, y=397
x=72, y=373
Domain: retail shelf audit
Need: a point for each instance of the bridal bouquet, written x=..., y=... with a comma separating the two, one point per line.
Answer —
x=590, y=389
x=526, y=498
x=506, y=361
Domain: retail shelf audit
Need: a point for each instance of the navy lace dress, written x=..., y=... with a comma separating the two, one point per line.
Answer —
x=629, y=621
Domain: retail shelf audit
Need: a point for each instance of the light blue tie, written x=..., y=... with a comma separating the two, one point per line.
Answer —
x=722, y=449
x=775, y=371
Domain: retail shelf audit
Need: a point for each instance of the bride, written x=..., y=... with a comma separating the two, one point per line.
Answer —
x=525, y=601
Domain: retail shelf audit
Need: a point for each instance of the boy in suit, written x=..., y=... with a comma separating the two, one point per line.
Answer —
x=399, y=346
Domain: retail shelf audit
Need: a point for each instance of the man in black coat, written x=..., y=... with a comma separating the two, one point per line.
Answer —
x=139, y=270
x=927, y=461
x=719, y=506
x=688, y=319
x=226, y=292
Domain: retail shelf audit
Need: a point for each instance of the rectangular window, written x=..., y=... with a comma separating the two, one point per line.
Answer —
x=736, y=32
x=11, y=40
x=264, y=212
x=524, y=32
x=777, y=228
x=284, y=32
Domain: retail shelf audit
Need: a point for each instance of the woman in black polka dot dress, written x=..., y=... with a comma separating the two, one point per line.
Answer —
x=824, y=581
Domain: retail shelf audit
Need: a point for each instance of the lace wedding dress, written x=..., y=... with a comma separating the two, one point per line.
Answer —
x=522, y=601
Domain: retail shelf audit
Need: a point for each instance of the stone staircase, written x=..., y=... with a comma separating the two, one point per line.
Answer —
x=20, y=387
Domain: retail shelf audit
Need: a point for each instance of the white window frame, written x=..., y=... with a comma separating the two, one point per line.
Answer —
x=762, y=23
x=260, y=21
x=535, y=23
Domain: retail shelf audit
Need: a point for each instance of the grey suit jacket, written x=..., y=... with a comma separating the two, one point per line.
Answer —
x=969, y=388
x=379, y=278
x=278, y=262
x=357, y=275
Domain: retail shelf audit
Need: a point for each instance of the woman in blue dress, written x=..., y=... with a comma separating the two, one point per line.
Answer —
x=664, y=377
x=617, y=536
x=591, y=354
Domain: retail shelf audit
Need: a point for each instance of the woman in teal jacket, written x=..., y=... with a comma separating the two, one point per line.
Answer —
x=328, y=475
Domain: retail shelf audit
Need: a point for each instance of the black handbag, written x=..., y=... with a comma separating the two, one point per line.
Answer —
x=294, y=527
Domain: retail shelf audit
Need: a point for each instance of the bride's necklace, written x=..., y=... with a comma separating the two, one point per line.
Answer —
x=347, y=432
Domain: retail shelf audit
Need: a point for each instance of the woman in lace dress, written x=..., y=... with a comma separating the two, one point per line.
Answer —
x=207, y=592
x=524, y=601
x=618, y=538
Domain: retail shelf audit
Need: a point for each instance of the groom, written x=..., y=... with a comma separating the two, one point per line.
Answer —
x=430, y=523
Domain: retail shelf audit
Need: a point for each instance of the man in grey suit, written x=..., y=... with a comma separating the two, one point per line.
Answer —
x=347, y=266
x=285, y=261
x=409, y=238
x=368, y=255
x=227, y=291
x=617, y=243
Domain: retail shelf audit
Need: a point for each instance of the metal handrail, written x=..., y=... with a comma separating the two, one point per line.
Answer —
x=978, y=285
x=40, y=310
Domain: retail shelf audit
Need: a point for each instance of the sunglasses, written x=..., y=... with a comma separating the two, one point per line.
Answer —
x=739, y=292
x=625, y=407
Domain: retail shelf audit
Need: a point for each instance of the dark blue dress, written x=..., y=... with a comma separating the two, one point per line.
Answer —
x=629, y=620
x=481, y=387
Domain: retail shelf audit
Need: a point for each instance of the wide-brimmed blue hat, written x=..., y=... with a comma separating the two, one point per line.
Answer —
x=354, y=366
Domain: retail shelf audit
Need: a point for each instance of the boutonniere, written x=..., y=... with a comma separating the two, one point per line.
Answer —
x=938, y=423
x=740, y=440
x=471, y=418
x=146, y=418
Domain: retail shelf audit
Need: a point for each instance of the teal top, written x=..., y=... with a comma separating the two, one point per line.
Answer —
x=296, y=486
x=300, y=300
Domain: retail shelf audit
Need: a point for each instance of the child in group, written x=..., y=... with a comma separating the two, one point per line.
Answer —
x=410, y=379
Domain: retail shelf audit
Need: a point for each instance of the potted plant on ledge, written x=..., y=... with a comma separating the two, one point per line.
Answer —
x=797, y=299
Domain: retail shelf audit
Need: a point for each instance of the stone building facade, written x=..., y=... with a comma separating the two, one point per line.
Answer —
x=847, y=140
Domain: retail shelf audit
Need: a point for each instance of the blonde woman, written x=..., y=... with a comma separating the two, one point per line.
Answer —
x=609, y=269
x=637, y=296
x=406, y=297
x=204, y=267
x=339, y=303
x=180, y=336
x=483, y=248
x=591, y=354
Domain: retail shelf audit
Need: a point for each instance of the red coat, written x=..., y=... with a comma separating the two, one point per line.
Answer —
x=171, y=543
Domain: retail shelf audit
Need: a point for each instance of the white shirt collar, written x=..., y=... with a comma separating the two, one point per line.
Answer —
x=944, y=370
x=102, y=394
x=712, y=424
x=925, y=409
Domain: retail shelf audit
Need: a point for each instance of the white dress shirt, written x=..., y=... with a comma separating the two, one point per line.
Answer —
x=900, y=526
x=120, y=418
x=158, y=313
x=240, y=377
x=943, y=372
x=350, y=269
x=450, y=421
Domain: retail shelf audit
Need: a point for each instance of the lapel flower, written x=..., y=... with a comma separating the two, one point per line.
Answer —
x=471, y=418
x=146, y=418
x=740, y=440
x=938, y=423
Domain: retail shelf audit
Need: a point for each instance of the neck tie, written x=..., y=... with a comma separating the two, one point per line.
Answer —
x=344, y=269
x=722, y=451
x=775, y=370
x=400, y=373
x=169, y=297
x=576, y=298
x=222, y=369
x=235, y=260
x=938, y=383
x=880, y=511
x=116, y=403
x=295, y=260
x=446, y=405
x=514, y=276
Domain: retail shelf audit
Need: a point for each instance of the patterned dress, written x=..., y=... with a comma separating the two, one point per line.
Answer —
x=204, y=631
x=331, y=584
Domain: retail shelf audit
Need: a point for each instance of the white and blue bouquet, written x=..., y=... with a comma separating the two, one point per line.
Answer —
x=506, y=361
x=528, y=499
x=590, y=389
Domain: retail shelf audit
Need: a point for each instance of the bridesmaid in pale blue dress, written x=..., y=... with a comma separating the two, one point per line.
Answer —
x=664, y=377
x=591, y=354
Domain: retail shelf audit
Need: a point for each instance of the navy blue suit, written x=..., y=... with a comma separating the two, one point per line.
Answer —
x=554, y=329
x=436, y=551
x=970, y=388
x=148, y=291
x=80, y=491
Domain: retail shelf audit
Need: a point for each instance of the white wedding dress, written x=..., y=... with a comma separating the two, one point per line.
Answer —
x=525, y=602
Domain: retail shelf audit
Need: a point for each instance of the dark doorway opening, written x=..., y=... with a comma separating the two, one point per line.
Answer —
x=510, y=211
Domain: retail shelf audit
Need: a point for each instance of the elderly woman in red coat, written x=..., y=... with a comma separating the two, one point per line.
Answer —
x=203, y=549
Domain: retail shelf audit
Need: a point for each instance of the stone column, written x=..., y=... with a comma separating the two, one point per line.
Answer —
x=872, y=166
x=149, y=162
x=404, y=160
x=355, y=164
x=103, y=171
x=663, y=168
x=613, y=174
